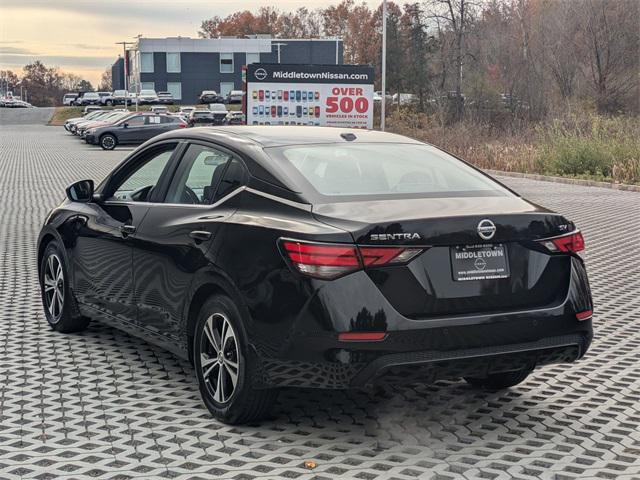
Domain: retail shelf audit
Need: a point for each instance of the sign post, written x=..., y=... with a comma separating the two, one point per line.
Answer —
x=326, y=95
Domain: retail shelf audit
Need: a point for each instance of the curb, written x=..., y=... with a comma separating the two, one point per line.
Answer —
x=569, y=181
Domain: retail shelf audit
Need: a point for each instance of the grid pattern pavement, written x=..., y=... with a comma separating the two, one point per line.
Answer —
x=102, y=404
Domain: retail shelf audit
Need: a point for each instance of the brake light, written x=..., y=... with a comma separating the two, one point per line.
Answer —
x=182, y=125
x=574, y=242
x=322, y=261
x=329, y=261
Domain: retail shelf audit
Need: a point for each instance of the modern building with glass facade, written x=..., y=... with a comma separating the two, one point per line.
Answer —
x=187, y=66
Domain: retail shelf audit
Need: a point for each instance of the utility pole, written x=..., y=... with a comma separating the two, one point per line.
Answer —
x=384, y=65
x=139, y=81
x=125, y=68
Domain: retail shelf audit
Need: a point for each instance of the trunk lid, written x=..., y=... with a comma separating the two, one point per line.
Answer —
x=441, y=280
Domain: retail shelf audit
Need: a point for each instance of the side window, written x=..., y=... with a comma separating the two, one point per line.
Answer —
x=233, y=178
x=138, y=184
x=136, y=121
x=200, y=171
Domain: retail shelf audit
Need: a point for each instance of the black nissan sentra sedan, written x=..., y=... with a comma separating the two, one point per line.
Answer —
x=316, y=257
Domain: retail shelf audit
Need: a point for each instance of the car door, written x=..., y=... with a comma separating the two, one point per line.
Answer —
x=103, y=270
x=173, y=242
x=129, y=130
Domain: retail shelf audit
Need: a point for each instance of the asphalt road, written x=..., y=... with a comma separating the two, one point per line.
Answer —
x=102, y=404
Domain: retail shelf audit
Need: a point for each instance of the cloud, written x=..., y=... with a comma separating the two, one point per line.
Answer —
x=15, y=51
x=62, y=61
x=85, y=46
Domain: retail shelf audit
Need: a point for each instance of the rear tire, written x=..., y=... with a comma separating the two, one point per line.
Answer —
x=108, y=141
x=57, y=299
x=224, y=366
x=500, y=381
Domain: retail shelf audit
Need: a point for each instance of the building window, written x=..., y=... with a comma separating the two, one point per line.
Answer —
x=226, y=63
x=146, y=62
x=147, y=86
x=175, y=89
x=253, y=58
x=173, y=62
x=225, y=88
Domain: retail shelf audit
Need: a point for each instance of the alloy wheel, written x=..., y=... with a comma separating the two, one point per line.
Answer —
x=54, y=287
x=219, y=357
x=108, y=142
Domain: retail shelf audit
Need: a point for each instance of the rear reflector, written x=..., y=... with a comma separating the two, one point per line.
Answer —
x=329, y=261
x=362, y=336
x=574, y=242
x=587, y=314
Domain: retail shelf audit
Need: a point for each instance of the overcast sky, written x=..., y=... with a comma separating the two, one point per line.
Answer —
x=79, y=35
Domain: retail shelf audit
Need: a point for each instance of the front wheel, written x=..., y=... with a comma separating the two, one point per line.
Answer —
x=224, y=367
x=108, y=141
x=500, y=381
x=59, y=305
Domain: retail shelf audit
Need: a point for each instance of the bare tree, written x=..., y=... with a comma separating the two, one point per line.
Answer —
x=611, y=46
x=457, y=15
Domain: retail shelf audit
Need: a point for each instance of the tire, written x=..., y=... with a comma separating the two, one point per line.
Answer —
x=60, y=308
x=231, y=403
x=500, y=381
x=108, y=141
x=109, y=103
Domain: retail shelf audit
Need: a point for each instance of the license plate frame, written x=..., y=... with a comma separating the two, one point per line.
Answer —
x=480, y=262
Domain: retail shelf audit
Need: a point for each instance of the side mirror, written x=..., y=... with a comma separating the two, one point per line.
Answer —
x=125, y=125
x=81, y=191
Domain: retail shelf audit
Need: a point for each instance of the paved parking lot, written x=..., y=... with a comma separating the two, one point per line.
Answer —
x=102, y=404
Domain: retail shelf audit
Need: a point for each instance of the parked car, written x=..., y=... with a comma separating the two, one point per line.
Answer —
x=210, y=96
x=216, y=116
x=147, y=97
x=186, y=110
x=69, y=98
x=91, y=108
x=105, y=98
x=317, y=257
x=235, y=118
x=118, y=97
x=159, y=109
x=70, y=122
x=133, y=129
x=234, y=96
x=88, y=98
x=111, y=117
x=165, y=98
x=404, y=98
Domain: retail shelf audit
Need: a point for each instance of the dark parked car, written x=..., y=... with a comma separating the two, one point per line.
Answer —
x=132, y=129
x=210, y=96
x=165, y=98
x=88, y=98
x=201, y=118
x=234, y=96
x=316, y=257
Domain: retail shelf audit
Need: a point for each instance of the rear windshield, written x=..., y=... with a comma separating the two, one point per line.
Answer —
x=382, y=169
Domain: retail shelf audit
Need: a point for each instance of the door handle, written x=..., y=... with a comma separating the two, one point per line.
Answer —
x=127, y=230
x=200, y=236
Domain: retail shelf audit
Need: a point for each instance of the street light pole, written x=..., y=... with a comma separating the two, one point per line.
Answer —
x=125, y=69
x=384, y=65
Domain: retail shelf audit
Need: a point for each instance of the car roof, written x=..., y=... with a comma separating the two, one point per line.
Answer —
x=277, y=136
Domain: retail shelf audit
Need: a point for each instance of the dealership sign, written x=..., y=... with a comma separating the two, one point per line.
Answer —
x=328, y=95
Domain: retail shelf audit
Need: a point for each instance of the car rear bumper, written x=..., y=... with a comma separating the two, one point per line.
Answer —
x=425, y=350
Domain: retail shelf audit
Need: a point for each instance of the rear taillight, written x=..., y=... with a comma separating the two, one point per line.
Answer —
x=574, y=242
x=329, y=261
x=182, y=125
